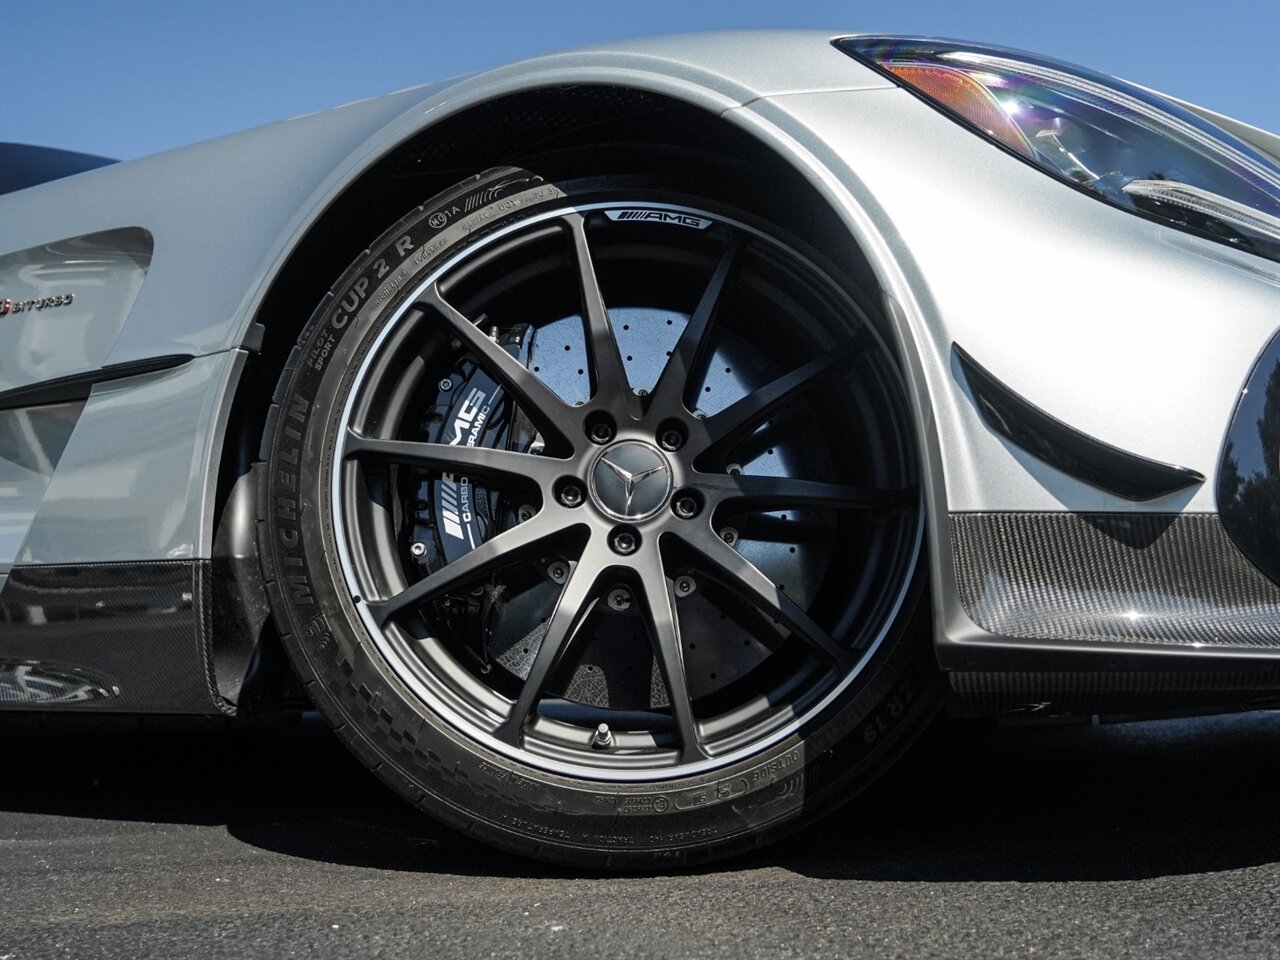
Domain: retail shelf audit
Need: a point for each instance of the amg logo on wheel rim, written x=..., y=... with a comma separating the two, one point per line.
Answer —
x=660, y=216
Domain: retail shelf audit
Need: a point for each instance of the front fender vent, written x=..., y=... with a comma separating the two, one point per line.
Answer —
x=1047, y=438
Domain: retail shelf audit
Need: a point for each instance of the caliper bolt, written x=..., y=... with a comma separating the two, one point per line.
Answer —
x=624, y=542
x=417, y=548
x=446, y=384
x=685, y=586
x=603, y=737
x=558, y=571
x=670, y=440
x=729, y=535
x=571, y=495
x=619, y=598
x=601, y=433
x=685, y=507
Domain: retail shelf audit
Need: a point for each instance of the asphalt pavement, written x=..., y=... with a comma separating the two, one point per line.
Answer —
x=1159, y=839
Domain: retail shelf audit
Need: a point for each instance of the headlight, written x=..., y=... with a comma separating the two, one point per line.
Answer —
x=1121, y=143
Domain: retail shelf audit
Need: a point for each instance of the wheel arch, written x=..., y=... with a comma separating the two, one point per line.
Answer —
x=433, y=147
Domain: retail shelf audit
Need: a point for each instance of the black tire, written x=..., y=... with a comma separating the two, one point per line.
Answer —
x=509, y=798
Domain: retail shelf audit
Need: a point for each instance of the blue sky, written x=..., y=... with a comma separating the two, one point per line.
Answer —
x=125, y=78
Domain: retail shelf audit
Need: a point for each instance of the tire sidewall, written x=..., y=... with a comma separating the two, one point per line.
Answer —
x=420, y=754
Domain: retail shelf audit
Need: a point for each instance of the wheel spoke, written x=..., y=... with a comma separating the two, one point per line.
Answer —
x=608, y=374
x=664, y=629
x=740, y=576
x=771, y=529
x=503, y=466
x=576, y=602
x=739, y=420
x=542, y=405
x=769, y=493
x=508, y=547
x=692, y=351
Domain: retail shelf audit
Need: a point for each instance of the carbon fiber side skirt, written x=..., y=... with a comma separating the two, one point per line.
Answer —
x=117, y=637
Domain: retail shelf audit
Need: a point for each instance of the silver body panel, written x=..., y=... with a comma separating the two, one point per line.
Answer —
x=31, y=444
x=144, y=495
x=102, y=272
x=1134, y=333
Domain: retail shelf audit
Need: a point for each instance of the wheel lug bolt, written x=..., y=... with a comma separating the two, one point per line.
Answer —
x=603, y=737
x=729, y=535
x=670, y=440
x=685, y=507
x=571, y=495
x=624, y=542
x=558, y=571
x=601, y=433
x=619, y=599
x=685, y=586
x=417, y=548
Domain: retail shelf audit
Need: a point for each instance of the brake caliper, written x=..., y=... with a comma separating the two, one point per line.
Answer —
x=455, y=514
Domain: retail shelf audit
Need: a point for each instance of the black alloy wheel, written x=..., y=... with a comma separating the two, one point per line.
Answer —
x=609, y=496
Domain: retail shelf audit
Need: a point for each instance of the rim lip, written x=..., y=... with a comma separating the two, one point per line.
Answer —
x=433, y=703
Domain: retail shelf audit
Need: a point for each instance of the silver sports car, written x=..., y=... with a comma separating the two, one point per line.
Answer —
x=630, y=450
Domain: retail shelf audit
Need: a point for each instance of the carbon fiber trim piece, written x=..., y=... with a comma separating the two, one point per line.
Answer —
x=77, y=386
x=48, y=684
x=1119, y=691
x=142, y=625
x=1064, y=447
x=1156, y=578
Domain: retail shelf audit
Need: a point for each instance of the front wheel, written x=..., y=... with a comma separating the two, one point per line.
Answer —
x=595, y=522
